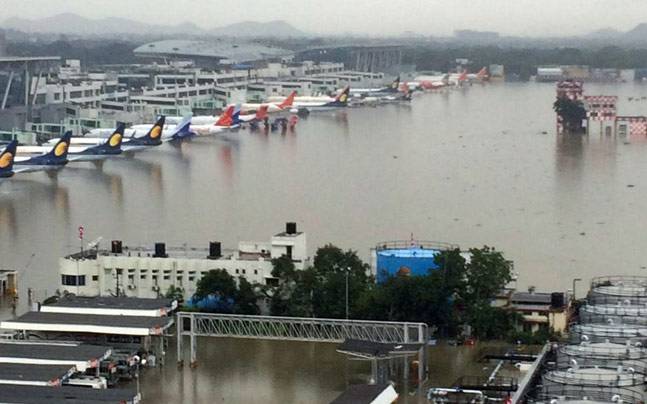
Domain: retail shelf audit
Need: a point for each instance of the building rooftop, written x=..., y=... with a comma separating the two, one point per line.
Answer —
x=362, y=394
x=225, y=50
x=52, y=351
x=376, y=349
x=63, y=394
x=110, y=302
x=33, y=373
x=88, y=323
x=526, y=297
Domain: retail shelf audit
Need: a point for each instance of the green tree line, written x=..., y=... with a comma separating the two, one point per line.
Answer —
x=459, y=292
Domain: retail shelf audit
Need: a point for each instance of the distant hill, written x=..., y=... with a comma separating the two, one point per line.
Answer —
x=73, y=24
x=637, y=34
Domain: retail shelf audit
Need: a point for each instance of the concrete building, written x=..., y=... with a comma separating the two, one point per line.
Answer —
x=548, y=311
x=145, y=272
x=368, y=58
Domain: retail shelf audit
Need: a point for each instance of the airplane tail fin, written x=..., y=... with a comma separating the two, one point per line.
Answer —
x=183, y=129
x=261, y=113
x=226, y=118
x=114, y=141
x=395, y=85
x=6, y=159
x=235, y=116
x=463, y=76
x=288, y=101
x=58, y=154
x=482, y=73
x=342, y=98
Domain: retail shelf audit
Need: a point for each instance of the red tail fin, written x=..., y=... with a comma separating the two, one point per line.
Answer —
x=225, y=118
x=482, y=73
x=463, y=76
x=261, y=113
x=288, y=101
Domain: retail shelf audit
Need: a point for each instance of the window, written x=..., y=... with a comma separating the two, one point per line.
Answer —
x=95, y=278
x=237, y=271
x=142, y=276
x=166, y=277
x=243, y=272
x=71, y=280
x=256, y=272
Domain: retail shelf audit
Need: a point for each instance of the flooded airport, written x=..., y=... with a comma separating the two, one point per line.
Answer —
x=477, y=165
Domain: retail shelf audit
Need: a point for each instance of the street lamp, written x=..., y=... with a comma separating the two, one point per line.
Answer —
x=574, y=282
x=347, y=272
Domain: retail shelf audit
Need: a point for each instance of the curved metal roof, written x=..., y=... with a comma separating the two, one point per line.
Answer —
x=230, y=51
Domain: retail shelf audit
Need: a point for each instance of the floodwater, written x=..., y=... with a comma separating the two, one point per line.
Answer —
x=481, y=165
x=251, y=371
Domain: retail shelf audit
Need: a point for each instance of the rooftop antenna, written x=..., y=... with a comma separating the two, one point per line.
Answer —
x=95, y=243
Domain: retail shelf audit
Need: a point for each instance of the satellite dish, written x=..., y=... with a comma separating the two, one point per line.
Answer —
x=94, y=243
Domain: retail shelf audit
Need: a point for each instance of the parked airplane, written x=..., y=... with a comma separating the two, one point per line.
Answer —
x=108, y=147
x=480, y=76
x=393, y=88
x=6, y=160
x=322, y=103
x=457, y=79
x=272, y=107
x=54, y=159
x=153, y=137
x=427, y=82
x=171, y=131
x=230, y=119
x=259, y=116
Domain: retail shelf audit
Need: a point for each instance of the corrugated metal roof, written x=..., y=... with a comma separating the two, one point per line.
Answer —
x=524, y=297
x=229, y=51
x=53, y=351
x=109, y=302
x=33, y=373
x=63, y=394
x=91, y=320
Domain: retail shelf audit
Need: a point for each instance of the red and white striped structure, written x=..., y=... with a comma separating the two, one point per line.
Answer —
x=601, y=107
x=637, y=125
x=571, y=89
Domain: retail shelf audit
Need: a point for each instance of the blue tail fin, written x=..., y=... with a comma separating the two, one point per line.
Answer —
x=183, y=129
x=58, y=154
x=6, y=159
x=153, y=137
x=114, y=141
x=235, y=117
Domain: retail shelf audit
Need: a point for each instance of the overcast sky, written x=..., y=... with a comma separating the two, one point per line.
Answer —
x=439, y=17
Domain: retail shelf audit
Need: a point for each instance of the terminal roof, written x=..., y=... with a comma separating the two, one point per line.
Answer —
x=90, y=323
x=33, y=373
x=60, y=351
x=63, y=394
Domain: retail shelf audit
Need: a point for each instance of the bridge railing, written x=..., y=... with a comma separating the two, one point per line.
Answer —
x=309, y=329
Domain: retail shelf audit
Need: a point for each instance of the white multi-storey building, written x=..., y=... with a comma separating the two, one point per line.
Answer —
x=149, y=273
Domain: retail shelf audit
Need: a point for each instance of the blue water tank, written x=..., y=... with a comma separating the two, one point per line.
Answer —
x=414, y=260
